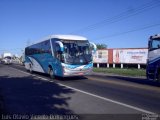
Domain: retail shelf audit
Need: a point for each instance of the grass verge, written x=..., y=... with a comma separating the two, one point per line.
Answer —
x=119, y=71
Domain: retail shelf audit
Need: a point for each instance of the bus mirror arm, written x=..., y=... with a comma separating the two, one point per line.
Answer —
x=94, y=47
x=60, y=45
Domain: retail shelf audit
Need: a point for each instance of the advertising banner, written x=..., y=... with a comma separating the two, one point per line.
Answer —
x=130, y=56
x=101, y=56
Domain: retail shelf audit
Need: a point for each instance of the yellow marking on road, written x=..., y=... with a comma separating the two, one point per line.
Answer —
x=125, y=83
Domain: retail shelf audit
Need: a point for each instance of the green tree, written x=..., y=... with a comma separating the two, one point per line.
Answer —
x=101, y=46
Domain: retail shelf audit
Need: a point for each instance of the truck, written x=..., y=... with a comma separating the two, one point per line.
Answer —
x=7, y=58
x=153, y=61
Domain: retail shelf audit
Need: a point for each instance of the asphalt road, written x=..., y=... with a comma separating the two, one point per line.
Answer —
x=95, y=96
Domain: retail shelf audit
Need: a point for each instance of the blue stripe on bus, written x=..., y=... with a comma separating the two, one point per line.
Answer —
x=40, y=61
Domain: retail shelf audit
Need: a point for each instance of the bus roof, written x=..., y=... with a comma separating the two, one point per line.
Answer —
x=68, y=37
x=155, y=36
x=64, y=37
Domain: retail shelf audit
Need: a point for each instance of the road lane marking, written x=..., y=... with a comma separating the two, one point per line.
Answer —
x=97, y=96
x=109, y=100
x=125, y=83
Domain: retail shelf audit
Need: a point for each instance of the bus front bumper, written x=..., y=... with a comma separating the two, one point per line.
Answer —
x=67, y=73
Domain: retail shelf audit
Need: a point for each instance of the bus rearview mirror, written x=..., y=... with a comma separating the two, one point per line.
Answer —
x=61, y=47
x=94, y=47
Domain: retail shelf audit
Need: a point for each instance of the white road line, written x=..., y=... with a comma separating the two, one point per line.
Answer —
x=97, y=96
x=109, y=100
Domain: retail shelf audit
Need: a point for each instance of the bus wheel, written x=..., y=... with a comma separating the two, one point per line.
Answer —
x=30, y=69
x=51, y=73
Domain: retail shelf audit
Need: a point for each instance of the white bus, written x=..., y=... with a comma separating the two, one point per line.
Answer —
x=61, y=55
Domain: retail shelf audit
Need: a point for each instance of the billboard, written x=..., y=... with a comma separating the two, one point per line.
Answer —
x=101, y=56
x=130, y=56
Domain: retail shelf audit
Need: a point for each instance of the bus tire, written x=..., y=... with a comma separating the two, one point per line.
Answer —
x=51, y=74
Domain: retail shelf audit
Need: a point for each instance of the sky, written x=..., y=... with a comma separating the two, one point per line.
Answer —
x=116, y=23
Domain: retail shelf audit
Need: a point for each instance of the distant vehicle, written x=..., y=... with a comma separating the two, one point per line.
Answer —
x=61, y=55
x=153, y=63
x=22, y=59
x=7, y=58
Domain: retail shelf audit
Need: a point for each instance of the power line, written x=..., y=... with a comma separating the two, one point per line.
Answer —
x=134, y=30
x=12, y=49
x=121, y=16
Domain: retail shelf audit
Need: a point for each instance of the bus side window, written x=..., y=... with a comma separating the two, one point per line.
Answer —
x=46, y=48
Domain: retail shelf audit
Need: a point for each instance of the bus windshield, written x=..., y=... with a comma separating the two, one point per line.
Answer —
x=154, y=44
x=77, y=52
